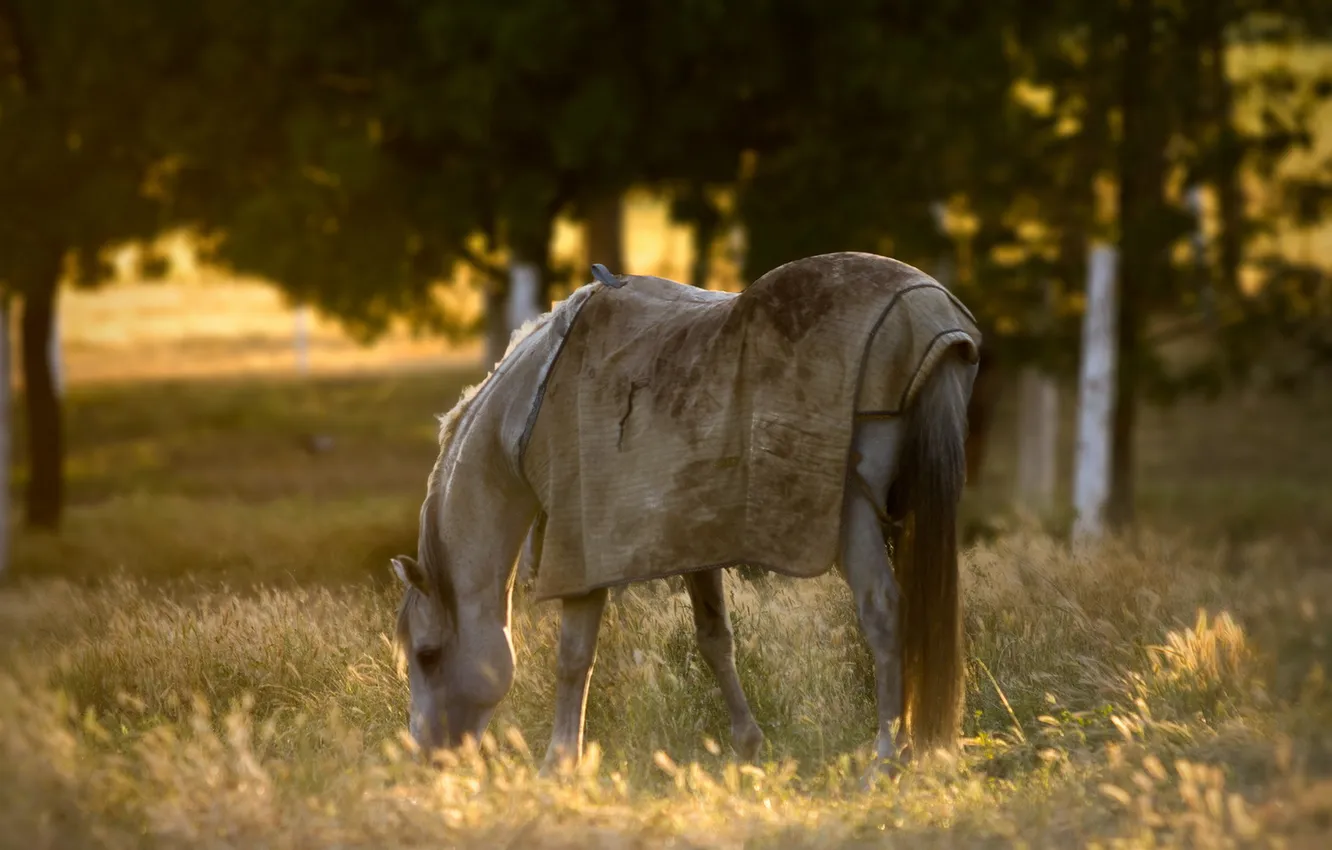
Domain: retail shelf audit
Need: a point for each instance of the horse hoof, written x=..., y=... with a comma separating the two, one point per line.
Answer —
x=556, y=766
x=748, y=741
x=881, y=771
x=886, y=767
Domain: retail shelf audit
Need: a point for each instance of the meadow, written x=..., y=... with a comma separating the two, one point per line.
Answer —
x=201, y=657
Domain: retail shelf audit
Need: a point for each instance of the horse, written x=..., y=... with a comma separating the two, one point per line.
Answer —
x=902, y=482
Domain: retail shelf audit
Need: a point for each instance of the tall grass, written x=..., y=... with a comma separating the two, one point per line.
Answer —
x=1132, y=696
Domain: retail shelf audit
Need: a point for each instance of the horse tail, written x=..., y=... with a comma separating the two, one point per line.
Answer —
x=928, y=490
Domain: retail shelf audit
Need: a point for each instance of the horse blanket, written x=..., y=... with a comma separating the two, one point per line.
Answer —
x=680, y=429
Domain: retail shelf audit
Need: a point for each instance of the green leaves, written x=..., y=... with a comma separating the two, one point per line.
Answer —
x=350, y=150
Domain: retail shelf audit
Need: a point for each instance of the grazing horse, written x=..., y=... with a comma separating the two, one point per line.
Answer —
x=893, y=470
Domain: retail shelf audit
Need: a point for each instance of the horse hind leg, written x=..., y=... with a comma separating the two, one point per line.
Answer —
x=869, y=573
x=716, y=643
x=580, y=621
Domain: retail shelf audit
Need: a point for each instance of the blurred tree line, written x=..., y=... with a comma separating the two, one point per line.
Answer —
x=356, y=152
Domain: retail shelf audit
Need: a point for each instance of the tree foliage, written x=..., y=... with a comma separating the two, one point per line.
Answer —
x=81, y=172
x=356, y=152
x=79, y=165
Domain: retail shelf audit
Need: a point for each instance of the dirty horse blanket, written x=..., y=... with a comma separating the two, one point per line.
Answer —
x=681, y=429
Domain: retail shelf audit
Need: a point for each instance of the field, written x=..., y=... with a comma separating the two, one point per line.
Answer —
x=201, y=658
x=199, y=321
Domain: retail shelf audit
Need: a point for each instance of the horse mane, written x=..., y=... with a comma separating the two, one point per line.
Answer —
x=449, y=422
x=431, y=556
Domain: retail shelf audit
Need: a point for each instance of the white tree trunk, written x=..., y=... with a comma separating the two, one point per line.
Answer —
x=301, y=338
x=6, y=383
x=944, y=272
x=737, y=246
x=1193, y=199
x=1096, y=395
x=524, y=284
x=1038, y=438
x=1038, y=431
x=54, y=353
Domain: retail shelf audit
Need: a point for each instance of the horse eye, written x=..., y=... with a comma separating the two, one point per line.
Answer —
x=427, y=658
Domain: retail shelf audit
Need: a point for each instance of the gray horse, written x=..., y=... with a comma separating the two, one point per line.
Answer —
x=897, y=493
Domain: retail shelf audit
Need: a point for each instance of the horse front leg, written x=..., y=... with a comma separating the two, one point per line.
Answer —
x=580, y=621
x=716, y=643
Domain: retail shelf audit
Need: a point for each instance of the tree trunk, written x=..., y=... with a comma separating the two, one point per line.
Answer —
x=694, y=208
x=301, y=338
x=1096, y=398
x=1038, y=425
x=605, y=232
x=1038, y=437
x=527, y=291
x=525, y=284
x=55, y=355
x=985, y=392
x=497, y=322
x=988, y=385
x=1230, y=199
x=6, y=429
x=1141, y=204
x=1202, y=272
x=45, y=497
x=706, y=226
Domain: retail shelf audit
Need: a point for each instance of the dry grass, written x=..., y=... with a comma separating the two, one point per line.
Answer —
x=1130, y=697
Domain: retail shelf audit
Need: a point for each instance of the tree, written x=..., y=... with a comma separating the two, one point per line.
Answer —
x=1017, y=118
x=80, y=175
x=358, y=153
x=1179, y=121
x=411, y=138
x=414, y=137
x=927, y=117
x=352, y=152
x=6, y=432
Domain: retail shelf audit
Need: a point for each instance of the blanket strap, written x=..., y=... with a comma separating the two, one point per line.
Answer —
x=884, y=520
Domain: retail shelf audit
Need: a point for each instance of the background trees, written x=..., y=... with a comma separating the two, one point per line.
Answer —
x=82, y=170
x=359, y=153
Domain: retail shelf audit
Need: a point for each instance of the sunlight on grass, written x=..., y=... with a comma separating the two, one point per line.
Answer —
x=1117, y=696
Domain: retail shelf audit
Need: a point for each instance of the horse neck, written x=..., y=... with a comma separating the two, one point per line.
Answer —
x=482, y=527
x=484, y=507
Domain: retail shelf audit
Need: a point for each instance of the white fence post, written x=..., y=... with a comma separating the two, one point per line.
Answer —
x=301, y=338
x=6, y=408
x=1096, y=395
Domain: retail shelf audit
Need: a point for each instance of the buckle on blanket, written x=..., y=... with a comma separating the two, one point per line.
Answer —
x=603, y=274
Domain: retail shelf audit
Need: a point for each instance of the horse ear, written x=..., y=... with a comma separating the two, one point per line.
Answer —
x=409, y=572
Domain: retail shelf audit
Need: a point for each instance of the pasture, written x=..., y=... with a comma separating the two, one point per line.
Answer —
x=201, y=658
